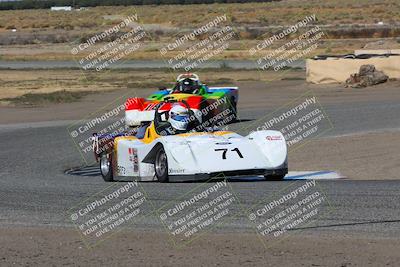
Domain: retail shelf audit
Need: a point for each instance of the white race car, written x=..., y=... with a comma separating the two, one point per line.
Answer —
x=191, y=155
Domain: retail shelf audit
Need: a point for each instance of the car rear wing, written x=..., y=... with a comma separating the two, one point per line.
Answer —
x=214, y=88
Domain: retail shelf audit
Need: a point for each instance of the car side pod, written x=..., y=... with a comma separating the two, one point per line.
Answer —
x=274, y=148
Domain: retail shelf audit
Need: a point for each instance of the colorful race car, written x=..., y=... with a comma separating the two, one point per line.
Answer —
x=191, y=155
x=206, y=102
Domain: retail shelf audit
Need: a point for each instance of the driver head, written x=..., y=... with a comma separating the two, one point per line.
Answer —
x=179, y=117
x=190, y=76
x=188, y=82
x=188, y=85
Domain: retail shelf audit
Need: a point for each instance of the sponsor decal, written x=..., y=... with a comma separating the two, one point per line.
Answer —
x=133, y=157
x=274, y=137
x=223, y=143
x=170, y=170
x=121, y=170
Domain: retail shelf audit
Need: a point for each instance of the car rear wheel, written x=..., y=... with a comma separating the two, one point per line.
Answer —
x=161, y=166
x=106, y=167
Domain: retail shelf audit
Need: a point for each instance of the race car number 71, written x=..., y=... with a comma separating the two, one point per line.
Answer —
x=226, y=150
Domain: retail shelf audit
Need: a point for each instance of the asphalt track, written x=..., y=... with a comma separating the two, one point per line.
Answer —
x=35, y=191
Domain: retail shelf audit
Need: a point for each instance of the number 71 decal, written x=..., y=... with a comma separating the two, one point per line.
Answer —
x=225, y=150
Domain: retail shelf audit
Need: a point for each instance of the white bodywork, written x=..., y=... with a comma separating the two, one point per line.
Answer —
x=135, y=117
x=201, y=153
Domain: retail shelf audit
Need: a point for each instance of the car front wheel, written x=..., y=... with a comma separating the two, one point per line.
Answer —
x=106, y=167
x=161, y=166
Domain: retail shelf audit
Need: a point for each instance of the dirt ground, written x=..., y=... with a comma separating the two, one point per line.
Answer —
x=37, y=246
x=15, y=83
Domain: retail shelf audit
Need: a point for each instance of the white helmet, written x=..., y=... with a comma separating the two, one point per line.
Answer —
x=187, y=83
x=191, y=76
x=179, y=117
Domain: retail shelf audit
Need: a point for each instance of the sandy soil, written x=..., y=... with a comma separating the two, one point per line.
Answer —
x=15, y=83
x=62, y=246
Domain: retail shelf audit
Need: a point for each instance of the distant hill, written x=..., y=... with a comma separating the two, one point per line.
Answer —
x=39, y=4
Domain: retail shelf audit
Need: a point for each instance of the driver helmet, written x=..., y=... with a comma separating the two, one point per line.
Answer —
x=187, y=83
x=179, y=117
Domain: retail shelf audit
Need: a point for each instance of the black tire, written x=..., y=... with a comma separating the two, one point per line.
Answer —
x=274, y=177
x=161, y=166
x=106, y=169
